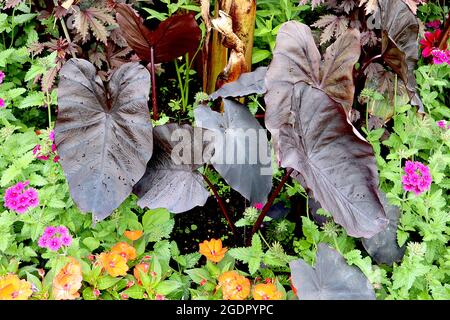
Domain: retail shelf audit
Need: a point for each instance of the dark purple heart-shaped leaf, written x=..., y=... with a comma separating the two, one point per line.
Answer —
x=297, y=59
x=241, y=150
x=171, y=180
x=248, y=83
x=383, y=247
x=400, y=50
x=331, y=278
x=103, y=133
x=172, y=38
x=336, y=165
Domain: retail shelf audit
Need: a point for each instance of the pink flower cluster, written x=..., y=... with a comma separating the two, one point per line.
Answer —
x=442, y=124
x=41, y=154
x=54, y=238
x=440, y=56
x=19, y=199
x=417, y=178
x=436, y=24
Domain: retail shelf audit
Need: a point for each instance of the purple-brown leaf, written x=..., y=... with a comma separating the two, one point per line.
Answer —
x=173, y=37
x=336, y=165
x=103, y=133
x=169, y=183
x=400, y=49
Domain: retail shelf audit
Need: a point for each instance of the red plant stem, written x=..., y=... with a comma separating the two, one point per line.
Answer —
x=446, y=34
x=152, y=71
x=221, y=205
x=272, y=198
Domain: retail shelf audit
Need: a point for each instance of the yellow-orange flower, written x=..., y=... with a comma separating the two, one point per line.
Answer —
x=125, y=250
x=113, y=263
x=266, y=291
x=68, y=281
x=234, y=286
x=133, y=234
x=213, y=250
x=12, y=288
x=143, y=267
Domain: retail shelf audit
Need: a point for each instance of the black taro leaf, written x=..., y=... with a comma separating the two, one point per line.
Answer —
x=172, y=38
x=249, y=170
x=103, y=133
x=330, y=279
x=248, y=83
x=400, y=51
x=337, y=166
x=297, y=59
x=383, y=247
x=170, y=182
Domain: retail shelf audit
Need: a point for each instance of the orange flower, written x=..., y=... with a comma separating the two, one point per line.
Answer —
x=234, y=286
x=68, y=281
x=213, y=250
x=133, y=234
x=266, y=291
x=12, y=288
x=143, y=267
x=125, y=250
x=114, y=263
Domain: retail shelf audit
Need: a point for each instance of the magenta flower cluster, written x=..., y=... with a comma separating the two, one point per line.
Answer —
x=442, y=124
x=417, y=177
x=436, y=24
x=19, y=199
x=40, y=153
x=54, y=238
x=440, y=56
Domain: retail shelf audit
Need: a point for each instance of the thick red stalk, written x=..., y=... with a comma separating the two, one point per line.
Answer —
x=272, y=198
x=221, y=205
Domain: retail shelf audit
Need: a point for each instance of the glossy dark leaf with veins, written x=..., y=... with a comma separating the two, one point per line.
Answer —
x=243, y=172
x=103, y=133
x=175, y=36
x=247, y=84
x=400, y=49
x=331, y=278
x=337, y=166
x=383, y=247
x=169, y=182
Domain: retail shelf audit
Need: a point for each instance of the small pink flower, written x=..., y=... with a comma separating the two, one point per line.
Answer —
x=51, y=135
x=54, y=244
x=258, y=206
x=36, y=149
x=42, y=242
x=441, y=124
x=66, y=240
x=53, y=147
x=2, y=76
x=96, y=292
x=56, y=159
x=50, y=231
x=436, y=24
x=440, y=56
x=62, y=230
x=160, y=297
x=2, y=103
